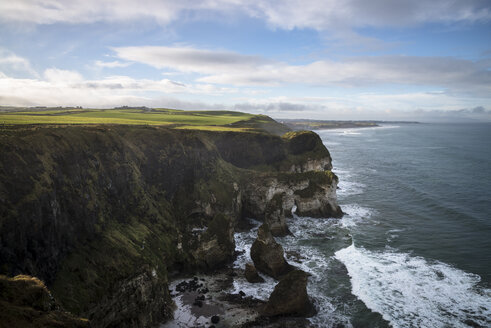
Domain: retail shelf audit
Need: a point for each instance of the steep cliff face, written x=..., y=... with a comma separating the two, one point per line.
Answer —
x=303, y=180
x=103, y=214
x=272, y=197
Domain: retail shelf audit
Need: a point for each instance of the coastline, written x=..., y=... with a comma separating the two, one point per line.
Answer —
x=155, y=201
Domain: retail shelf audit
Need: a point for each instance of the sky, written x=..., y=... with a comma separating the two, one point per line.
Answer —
x=324, y=59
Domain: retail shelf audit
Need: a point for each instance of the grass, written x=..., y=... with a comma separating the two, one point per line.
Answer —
x=199, y=120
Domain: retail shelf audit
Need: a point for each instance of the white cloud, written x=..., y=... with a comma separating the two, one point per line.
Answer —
x=67, y=88
x=62, y=87
x=59, y=76
x=435, y=107
x=229, y=68
x=366, y=71
x=331, y=14
x=188, y=59
x=11, y=62
x=111, y=64
x=287, y=14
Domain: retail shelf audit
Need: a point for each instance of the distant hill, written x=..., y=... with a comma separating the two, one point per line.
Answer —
x=303, y=124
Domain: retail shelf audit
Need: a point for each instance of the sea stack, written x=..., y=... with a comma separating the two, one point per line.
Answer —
x=268, y=255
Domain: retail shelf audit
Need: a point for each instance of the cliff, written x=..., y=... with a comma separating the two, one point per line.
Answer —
x=104, y=215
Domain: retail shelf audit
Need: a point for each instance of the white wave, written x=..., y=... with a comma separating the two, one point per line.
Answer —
x=331, y=143
x=350, y=132
x=413, y=292
x=348, y=188
x=316, y=263
x=393, y=234
x=343, y=172
x=308, y=258
x=308, y=228
x=243, y=243
x=387, y=127
x=354, y=214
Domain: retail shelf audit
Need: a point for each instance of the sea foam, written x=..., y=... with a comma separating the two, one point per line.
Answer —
x=411, y=291
x=348, y=188
x=303, y=255
x=354, y=214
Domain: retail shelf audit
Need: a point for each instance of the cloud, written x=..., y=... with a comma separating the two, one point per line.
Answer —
x=188, y=59
x=59, y=76
x=366, y=71
x=330, y=14
x=370, y=106
x=479, y=109
x=89, y=11
x=340, y=21
x=230, y=68
x=62, y=87
x=272, y=107
x=68, y=88
x=13, y=63
x=336, y=111
x=112, y=64
x=461, y=115
x=285, y=14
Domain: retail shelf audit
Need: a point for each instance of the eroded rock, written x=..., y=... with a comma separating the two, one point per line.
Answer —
x=268, y=255
x=251, y=274
x=290, y=298
x=319, y=198
x=140, y=301
x=217, y=245
x=274, y=216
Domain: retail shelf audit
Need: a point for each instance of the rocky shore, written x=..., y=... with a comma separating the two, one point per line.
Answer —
x=209, y=300
x=106, y=216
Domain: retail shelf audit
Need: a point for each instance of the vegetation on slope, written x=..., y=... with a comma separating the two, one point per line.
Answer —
x=196, y=120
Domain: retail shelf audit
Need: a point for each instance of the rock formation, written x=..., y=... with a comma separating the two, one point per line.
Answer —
x=140, y=301
x=251, y=274
x=289, y=297
x=217, y=244
x=104, y=212
x=268, y=255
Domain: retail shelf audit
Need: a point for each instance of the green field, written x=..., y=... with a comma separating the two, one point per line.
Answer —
x=199, y=120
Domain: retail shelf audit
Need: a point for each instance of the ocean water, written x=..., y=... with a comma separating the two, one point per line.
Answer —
x=414, y=248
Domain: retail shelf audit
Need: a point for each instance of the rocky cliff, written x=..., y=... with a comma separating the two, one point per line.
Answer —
x=104, y=215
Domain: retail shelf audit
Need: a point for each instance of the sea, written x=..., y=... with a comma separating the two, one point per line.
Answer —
x=414, y=246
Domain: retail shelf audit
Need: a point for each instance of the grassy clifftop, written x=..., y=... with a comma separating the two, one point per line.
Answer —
x=172, y=118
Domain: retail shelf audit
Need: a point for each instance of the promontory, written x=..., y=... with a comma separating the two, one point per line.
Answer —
x=104, y=207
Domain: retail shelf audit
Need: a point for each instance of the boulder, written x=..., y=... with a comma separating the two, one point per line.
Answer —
x=289, y=297
x=251, y=274
x=268, y=255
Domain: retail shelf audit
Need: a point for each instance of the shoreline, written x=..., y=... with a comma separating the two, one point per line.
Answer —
x=206, y=300
x=315, y=125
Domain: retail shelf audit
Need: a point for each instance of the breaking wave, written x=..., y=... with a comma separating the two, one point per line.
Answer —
x=414, y=292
